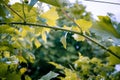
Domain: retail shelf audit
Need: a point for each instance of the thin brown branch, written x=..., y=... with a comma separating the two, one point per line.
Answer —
x=23, y=9
x=57, y=28
x=72, y=20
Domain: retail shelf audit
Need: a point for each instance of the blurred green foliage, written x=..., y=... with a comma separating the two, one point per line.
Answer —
x=35, y=53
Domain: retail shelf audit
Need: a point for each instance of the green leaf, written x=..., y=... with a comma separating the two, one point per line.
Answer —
x=37, y=43
x=112, y=59
x=6, y=29
x=21, y=59
x=70, y=75
x=106, y=25
x=23, y=70
x=51, y=16
x=49, y=76
x=78, y=37
x=27, y=77
x=13, y=76
x=63, y=41
x=4, y=48
x=3, y=69
x=58, y=66
x=57, y=3
x=30, y=16
x=84, y=25
x=29, y=56
x=6, y=54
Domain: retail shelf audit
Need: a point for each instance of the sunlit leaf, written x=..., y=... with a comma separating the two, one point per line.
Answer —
x=49, y=76
x=23, y=70
x=6, y=29
x=6, y=54
x=29, y=56
x=63, y=41
x=112, y=59
x=83, y=24
x=37, y=43
x=30, y=16
x=44, y=36
x=4, y=48
x=58, y=66
x=78, y=37
x=21, y=59
x=23, y=33
x=66, y=27
x=51, y=16
x=70, y=75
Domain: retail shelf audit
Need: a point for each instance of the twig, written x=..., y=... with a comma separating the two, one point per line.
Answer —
x=57, y=28
x=103, y=2
x=72, y=20
x=23, y=9
x=14, y=11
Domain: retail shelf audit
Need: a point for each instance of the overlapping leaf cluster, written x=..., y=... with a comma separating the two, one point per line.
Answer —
x=35, y=52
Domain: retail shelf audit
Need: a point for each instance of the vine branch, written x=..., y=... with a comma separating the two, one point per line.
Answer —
x=57, y=28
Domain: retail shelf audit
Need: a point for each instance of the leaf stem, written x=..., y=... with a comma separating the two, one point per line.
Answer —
x=57, y=28
x=72, y=20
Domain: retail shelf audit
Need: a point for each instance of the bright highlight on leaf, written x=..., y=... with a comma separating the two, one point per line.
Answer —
x=49, y=76
x=51, y=16
x=23, y=70
x=37, y=43
x=84, y=25
x=78, y=37
x=44, y=36
x=63, y=41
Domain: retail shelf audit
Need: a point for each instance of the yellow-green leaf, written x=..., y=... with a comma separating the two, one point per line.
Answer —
x=58, y=66
x=27, y=77
x=78, y=37
x=37, y=43
x=70, y=75
x=21, y=59
x=51, y=16
x=44, y=36
x=30, y=16
x=107, y=26
x=112, y=59
x=66, y=27
x=84, y=25
x=6, y=54
x=63, y=41
x=23, y=70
